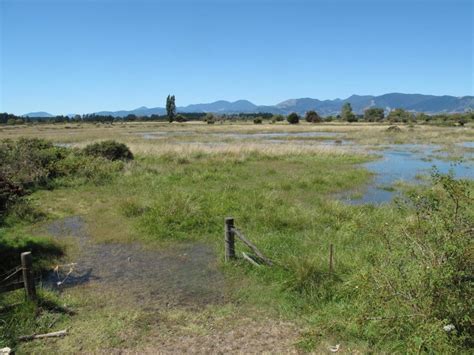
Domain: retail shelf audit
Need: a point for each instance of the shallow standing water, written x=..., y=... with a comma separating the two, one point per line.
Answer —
x=405, y=163
x=186, y=275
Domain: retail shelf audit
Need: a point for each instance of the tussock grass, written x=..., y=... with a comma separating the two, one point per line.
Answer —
x=235, y=150
x=179, y=189
x=132, y=132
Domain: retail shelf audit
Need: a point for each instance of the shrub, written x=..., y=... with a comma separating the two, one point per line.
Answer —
x=421, y=286
x=258, y=120
x=293, y=118
x=312, y=116
x=374, y=114
x=209, y=118
x=111, y=150
x=27, y=164
x=9, y=193
x=97, y=170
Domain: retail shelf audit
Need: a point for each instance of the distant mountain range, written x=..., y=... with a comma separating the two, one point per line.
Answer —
x=430, y=104
x=38, y=114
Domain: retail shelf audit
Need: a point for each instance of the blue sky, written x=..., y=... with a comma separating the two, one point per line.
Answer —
x=74, y=56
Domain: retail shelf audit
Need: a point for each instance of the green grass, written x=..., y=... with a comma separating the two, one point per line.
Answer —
x=283, y=203
x=13, y=242
x=19, y=317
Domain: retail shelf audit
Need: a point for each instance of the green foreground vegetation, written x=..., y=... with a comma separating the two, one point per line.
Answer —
x=402, y=272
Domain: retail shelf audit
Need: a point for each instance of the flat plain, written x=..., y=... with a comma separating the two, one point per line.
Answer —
x=148, y=243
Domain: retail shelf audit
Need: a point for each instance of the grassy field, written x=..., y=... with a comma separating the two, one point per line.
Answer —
x=177, y=191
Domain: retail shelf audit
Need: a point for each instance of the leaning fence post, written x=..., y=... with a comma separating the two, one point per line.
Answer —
x=28, y=278
x=229, y=239
x=331, y=257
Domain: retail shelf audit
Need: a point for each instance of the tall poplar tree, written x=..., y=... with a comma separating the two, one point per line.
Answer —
x=170, y=107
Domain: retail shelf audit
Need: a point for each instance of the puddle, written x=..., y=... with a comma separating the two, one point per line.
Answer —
x=162, y=134
x=186, y=275
x=467, y=144
x=404, y=163
x=270, y=135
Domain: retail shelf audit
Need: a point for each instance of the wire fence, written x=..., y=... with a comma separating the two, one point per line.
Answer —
x=20, y=276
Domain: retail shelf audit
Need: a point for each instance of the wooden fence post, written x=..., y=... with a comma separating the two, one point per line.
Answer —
x=28, y=277
x=331, y=256
x=229, y=239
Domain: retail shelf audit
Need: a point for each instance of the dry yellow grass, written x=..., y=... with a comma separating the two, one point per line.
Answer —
x=239, y=149
x=193, y=137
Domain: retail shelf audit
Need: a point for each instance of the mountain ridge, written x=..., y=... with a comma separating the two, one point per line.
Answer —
x=430, y=104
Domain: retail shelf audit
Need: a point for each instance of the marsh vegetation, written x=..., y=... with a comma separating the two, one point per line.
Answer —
x=402, y=269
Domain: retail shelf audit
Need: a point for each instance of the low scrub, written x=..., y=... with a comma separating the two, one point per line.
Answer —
x=418, y=291
x=28, y=164
x=111, y=150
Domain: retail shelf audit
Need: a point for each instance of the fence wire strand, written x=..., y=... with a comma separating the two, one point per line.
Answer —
x=16, y=270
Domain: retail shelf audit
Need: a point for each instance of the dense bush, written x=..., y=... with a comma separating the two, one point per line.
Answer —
x=27, y=164
x=312, y=117
x=111, y=150
x=293, y=118
x=374, y=114
x=29, y=161
x=209, y=118
x=419, y=291
x=258, y=120
x=9, y=193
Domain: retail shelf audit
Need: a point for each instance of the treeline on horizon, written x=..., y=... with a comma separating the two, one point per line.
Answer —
x=373, y=114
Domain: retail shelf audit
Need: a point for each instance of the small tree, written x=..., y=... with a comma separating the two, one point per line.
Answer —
x=293, y=118
x=170, y=107
x=312, y=116
x=209, y=118
x=347, y=114
x=374, y=114
x=400, y=115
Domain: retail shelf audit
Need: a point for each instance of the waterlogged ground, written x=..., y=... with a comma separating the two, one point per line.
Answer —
x=408, y=163
x=176, y=295
x=395, y=163
x=174, y=298
x=185, y=275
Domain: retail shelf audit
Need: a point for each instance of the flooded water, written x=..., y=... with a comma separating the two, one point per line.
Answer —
x=185, y=275
x=406, y=163
x=467, y=145
x=277, y=135
x=397, y=163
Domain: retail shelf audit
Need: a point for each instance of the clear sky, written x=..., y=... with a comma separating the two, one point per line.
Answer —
x=74, y=56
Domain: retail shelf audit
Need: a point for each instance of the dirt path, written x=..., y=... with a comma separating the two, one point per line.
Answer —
x=185, y=277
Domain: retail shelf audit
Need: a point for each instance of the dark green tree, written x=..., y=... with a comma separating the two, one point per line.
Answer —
x=374, y=114
x=170, y=107
x=278, y=118
x=210, y=118
x=312, y=116
x=293, y=118
x=347, y=114
x=400, y=115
